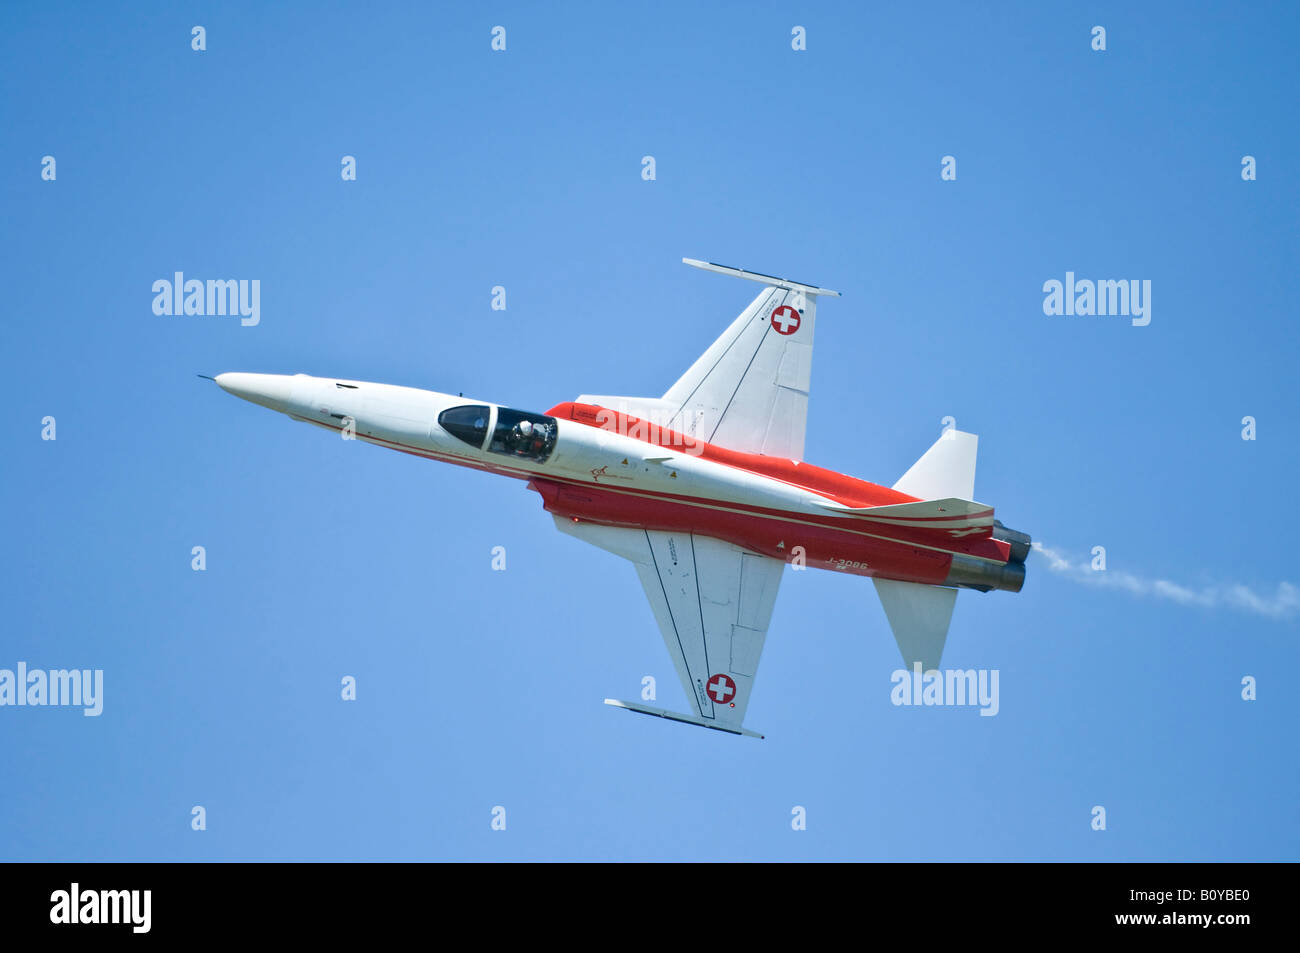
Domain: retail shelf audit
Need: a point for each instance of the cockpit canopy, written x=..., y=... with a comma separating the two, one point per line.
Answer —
x=521, y=434
x=517, y=433
x=468, y=423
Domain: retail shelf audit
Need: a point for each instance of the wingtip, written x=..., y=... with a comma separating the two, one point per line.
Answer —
x=760, y=277
x=679, y=717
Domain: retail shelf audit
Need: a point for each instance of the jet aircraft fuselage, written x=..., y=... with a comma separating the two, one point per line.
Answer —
x=596, y=465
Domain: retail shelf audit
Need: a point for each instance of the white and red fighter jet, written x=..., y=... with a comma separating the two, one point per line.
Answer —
x=705, y=491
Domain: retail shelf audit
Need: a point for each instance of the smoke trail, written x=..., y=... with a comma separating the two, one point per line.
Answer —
x=1284, y=603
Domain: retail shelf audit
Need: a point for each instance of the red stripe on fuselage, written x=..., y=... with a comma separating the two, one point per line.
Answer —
x=847, y=490
x=787, y=538
x=925, y=531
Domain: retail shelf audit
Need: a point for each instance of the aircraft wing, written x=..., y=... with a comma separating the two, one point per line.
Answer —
x=749, y=390
x=713, y=602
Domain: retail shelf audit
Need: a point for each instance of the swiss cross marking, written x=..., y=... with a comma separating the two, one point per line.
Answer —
x=786, y=320
x=722, y=689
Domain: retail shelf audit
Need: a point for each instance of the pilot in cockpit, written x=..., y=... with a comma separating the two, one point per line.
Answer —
x=529, y=438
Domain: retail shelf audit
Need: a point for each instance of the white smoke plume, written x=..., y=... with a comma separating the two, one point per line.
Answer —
x=1284, y=603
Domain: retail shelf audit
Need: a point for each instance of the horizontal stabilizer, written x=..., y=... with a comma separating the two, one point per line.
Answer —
x=947, y=469
x=677, y=716
x=920, y=616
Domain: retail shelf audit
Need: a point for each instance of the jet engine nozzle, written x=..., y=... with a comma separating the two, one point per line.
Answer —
x=971, y=573
x=1020, y=542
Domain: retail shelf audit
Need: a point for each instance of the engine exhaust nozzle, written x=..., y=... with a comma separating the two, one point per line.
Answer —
x=1020, y=542
x=971, y=573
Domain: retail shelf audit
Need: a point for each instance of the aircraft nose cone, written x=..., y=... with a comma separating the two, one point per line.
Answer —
x=270, y=390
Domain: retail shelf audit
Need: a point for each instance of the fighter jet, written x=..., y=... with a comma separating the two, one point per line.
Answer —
x=706, y=492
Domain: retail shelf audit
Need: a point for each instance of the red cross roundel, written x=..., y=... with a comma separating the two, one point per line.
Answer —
x=721, y=688
x=786, y=320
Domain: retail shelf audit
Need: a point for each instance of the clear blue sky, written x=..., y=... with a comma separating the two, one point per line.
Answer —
x=523, y=169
